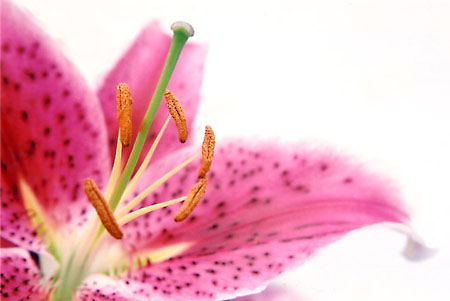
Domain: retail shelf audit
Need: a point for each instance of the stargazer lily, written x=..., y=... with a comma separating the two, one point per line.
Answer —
x=267, y=207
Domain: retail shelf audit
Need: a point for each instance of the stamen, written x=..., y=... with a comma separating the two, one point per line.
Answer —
x=175, y=109
x=192, y=199
x=208, y=145
x=165, y=252
x=144, y=164
x=124, y=102
x=115, y=173
x=104, y=212
x=130, y=216
x=125, y=209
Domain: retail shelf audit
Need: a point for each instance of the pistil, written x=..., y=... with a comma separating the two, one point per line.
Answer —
x=75, y=266
x=181, y=32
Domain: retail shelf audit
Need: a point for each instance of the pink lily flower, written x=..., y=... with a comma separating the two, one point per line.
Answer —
x=267, y=207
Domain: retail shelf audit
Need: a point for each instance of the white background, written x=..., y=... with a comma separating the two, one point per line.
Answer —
x=370, y=77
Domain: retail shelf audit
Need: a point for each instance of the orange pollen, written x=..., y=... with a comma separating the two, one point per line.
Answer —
x=124, y=102
x=104, y=212
x=209, y=142
x=192, y=199
x=177, y=112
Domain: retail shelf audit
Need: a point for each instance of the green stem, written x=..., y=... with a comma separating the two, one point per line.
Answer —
x=64, y=291
x=179, y=39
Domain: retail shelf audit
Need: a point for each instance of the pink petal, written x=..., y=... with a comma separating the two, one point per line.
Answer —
x=15, y=223
x=53, y=130
x=140, y=68
x=267, y=208
x=100, y=287
x=20, y=278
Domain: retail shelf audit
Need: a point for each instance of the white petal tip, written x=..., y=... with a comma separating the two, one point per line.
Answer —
x=416, y=250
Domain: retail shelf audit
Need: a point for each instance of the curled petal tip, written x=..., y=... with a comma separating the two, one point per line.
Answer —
x=416, y=250
x=183, y=26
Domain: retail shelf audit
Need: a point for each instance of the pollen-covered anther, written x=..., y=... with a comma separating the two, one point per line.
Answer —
x=192, y=199
x=124, y=102
x=177, y=112
x=209, y=142
x=100, y=205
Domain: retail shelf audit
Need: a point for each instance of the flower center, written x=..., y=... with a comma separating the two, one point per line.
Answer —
x=94, y=250
x=91, y=250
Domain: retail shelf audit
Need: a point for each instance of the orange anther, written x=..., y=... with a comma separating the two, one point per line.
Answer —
x=192, y=199
x=124, y=102
x=102, y=207
x=177, y=112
